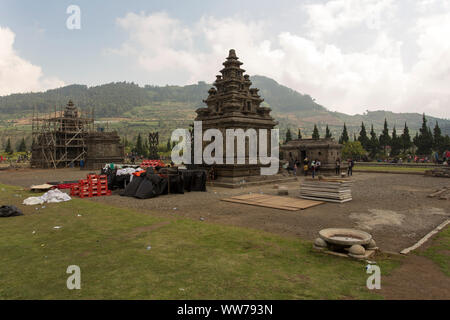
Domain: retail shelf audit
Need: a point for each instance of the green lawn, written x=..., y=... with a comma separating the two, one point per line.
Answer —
x=187, y=260
x=389, y=169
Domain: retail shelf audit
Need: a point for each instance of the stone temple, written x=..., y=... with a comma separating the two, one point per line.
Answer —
x=326, y=150
x=233, y=104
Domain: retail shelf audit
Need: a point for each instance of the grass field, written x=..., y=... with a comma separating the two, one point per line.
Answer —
x=390, y=169
x=187, y=259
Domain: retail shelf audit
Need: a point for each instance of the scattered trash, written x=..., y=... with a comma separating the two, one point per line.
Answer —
x=202, y=219
x=149, y=247
x=42, y=245
x=33, y=232
x=174, y=208
x=43, y=207
x=78, y=215
x=9, y=211
x=57, y=227
x=181, y=289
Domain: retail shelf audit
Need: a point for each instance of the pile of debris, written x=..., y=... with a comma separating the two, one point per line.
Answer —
x=327, y=189
x=442, y=194
x=439, y=172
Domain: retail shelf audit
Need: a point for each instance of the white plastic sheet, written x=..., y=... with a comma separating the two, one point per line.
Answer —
x=52, y=196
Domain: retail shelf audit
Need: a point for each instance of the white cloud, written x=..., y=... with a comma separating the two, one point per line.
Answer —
x=18, y=75
x=338, y=15
x=350, y=81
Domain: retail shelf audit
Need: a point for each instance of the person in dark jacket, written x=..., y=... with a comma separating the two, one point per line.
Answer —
x=350, y=167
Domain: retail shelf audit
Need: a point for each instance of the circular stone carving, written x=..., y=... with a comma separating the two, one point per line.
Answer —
x=357, y=250
x=345, y=237
x=319, y=243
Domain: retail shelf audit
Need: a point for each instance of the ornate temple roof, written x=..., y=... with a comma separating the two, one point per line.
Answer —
x=232, y=94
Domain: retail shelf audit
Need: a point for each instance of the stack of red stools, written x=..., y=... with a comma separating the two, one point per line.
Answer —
x=152, y=163
x=94, y=186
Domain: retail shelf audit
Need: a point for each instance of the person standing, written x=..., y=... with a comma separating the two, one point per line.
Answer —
x=305, y=169
x=350, y=167
x=313, y=168
x=318, y=164
x=338, y=166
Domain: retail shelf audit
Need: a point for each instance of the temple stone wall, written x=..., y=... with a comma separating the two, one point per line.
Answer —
x=103, y=148
x=327, y=151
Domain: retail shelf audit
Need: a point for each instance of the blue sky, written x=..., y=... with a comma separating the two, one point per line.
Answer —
x=351, y=55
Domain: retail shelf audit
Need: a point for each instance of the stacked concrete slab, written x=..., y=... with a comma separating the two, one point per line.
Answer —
x=327, y=189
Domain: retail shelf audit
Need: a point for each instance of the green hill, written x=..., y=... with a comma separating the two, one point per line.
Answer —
x=131, y=108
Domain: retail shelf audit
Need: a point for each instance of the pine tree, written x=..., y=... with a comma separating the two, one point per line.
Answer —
x=395, y=143
x=363, y=138
x=22, y=146
x=374, y=145
x=315, y=134
x=8, y=148
x=385, y=138
x=424, y=139
x=405, y=139
x=288, y=135
x=145, y=149
x=299, y=135
x=438, y=139
x=139, y=145
x=328, y=134
x=344, y=136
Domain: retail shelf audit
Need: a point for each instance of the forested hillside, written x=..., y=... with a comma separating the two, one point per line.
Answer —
x=129, y=100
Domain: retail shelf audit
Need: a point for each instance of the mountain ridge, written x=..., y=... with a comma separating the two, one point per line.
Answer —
x=291, y=108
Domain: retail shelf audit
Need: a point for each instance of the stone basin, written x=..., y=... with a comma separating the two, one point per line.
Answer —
x=345, y=237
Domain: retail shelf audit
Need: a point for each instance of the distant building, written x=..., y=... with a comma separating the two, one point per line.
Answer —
x=326, y=150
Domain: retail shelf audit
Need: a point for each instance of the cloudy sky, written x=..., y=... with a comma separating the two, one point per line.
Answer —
x=349, y=55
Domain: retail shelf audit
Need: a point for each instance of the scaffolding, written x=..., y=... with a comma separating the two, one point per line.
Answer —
x=59, y=138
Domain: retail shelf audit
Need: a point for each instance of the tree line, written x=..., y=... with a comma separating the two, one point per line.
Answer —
x=425, y=141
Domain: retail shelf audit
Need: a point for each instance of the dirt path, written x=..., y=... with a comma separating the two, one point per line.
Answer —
x=417, y=278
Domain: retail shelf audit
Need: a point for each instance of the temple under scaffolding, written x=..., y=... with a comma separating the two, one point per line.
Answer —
x=68, y=137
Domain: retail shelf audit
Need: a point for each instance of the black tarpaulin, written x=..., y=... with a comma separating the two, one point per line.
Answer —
x=132, y=187
x=9, y=211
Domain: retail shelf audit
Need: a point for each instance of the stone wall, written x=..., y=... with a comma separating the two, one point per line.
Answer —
x=103, y=148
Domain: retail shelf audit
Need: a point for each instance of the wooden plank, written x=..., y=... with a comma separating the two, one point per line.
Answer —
x=268, y=205
x=276, y=202
x=437, y=193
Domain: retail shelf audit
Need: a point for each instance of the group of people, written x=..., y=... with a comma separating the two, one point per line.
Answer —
x=314, y=166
